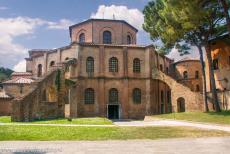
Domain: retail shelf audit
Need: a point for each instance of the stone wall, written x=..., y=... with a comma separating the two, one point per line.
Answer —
x=5, y=107
x=42, y=101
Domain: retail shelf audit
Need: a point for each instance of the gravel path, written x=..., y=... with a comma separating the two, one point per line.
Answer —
x=220, y=145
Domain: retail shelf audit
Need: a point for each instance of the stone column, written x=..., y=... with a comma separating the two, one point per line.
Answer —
x=44, y=71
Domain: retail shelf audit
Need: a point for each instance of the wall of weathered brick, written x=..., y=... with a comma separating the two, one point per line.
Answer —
x=5, y=106
x=41, y=102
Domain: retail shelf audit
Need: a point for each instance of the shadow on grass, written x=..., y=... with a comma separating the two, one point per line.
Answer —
x=222, y=113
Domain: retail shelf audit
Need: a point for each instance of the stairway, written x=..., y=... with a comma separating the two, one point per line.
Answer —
x=193, y=100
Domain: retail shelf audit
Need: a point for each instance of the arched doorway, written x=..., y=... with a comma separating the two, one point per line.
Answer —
x=113, y=106
x=181, y=104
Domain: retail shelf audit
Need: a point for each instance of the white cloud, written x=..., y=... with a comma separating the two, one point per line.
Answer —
x=174, y=54
x=62, y=24
x=20, y=67
x=132, y=16
x=3, y=8
x=10, y=28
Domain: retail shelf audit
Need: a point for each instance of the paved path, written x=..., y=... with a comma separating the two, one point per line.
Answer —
x=165, y=146
x=173, y=123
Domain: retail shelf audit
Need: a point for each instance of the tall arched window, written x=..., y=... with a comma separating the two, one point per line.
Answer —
x=197, y=88
x=113, y=64
x=129, y=39
x=161, y=67
x=90, y=65
x=197, y=74
x=82, y=38
x=39, y=70
x=89, y=96
x=113, y=96
x=136, y=65
x=107, y=37
x=137, y=96
x=52, y=63
x=185, y=74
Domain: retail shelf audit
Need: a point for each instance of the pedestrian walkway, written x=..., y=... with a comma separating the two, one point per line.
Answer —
x=216, y=145
x=160, y=122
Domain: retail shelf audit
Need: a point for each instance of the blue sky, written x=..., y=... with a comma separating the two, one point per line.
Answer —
x=39, y=24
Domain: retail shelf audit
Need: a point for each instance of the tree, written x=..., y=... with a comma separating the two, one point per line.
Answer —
x=225, y=5
x=194, y=22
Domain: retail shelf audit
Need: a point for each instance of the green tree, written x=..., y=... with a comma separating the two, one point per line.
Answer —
x=225, y=4
x=194, y=22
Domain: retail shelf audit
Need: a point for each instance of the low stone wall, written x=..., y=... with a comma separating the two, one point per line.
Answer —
x=42, y=101
x=5, y=107
x=193, y=100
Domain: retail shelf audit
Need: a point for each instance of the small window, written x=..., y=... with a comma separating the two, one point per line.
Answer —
x=161, y=67
x=52, y=63
x=162, y=96
x=89, y=96
x=82, y=38
x=113, y=96
x=197, y=74
x=167, y=70
x=90, y=65
x=39, y=70
x=185, y=74
x=136, y=65
x=215, y=64
x=136, y=96
x=197, y=88
x=129, y=40
x=107, y=37
x=113, y=64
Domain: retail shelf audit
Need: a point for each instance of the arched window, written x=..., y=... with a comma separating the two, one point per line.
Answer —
x=161, y=67
x=90, y=65
x=113, y=64
x=197, y=88
x=113, y=96
x=107, y=37
x=137, y=96
x=136, y=65
x=44, y=98
x=82, y=38
x=215, y=64
x=89, y=96
x=185, y=74
x=167, y=70
x=52, y=63
x=67, y=67
x=197, y=74
x=129, y=40
x=39, y=70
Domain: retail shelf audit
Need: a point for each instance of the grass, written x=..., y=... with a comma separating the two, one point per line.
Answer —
x=209, y=117
x=47, y=133
x=80, y=121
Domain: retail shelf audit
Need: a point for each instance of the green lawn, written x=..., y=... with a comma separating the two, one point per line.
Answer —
x=82, y=121
x=41, y=133
x=210, y=117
